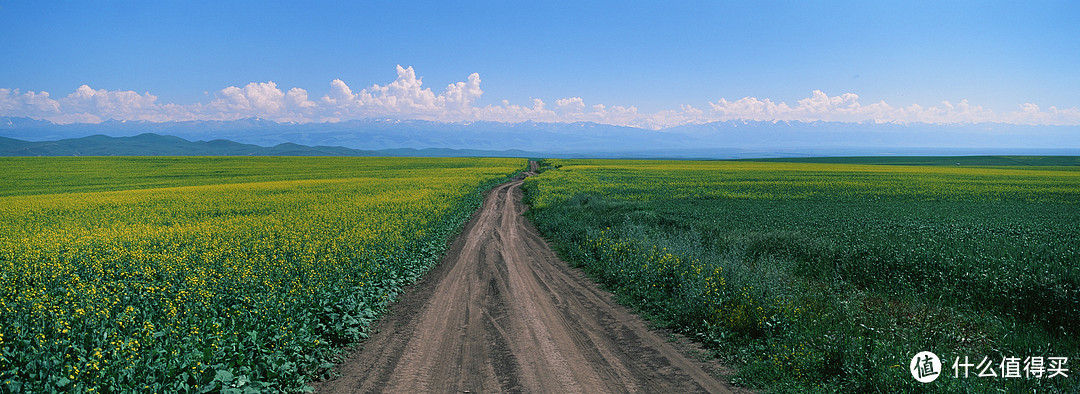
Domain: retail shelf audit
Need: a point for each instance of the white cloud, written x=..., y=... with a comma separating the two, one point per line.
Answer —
x=254, y=99
x=847, y=108
x=406, y=97
x=460, y=96
x=685, y=115
x=340, y=95
x=573, y=104
x=819, y=106
x=298, y=98
x=749, y=108
x=32, y=104
x=516, y=113
x=616, y=114
x=1031, y=114
x=89, y=104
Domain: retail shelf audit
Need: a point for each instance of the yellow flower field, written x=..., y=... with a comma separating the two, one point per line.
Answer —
x=250, y=285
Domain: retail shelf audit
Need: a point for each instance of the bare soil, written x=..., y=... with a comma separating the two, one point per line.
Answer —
x=502, y=313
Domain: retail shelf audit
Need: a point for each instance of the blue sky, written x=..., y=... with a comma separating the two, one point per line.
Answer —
x=649, y=64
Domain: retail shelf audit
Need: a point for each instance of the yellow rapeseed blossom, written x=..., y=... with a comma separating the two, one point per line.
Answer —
x=200, y=261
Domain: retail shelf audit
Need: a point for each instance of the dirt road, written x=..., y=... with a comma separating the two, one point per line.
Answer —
x=502, y=313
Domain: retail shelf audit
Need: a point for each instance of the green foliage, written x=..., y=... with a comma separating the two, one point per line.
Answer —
x=251, y=281
x=825, y=277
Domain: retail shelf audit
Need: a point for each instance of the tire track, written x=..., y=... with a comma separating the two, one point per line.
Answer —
x=502, y=313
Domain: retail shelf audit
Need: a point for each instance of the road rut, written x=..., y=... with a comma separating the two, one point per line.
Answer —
x=502, y=313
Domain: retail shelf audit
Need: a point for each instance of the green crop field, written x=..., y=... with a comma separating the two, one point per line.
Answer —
x=831, y=277
x=206, y=274
x=981, y=161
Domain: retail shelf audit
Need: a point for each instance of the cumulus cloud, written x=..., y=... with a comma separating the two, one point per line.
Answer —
x=460, y=96
x=847, y=108
x=819, y=106
x=32, y=104
x=517, y=113
x=1030, y=113
x=572, y=104
x=298, y=98
x=685, y=115
x=263, y=98
x=96, y=105
x=339, y=102
x=406, y=97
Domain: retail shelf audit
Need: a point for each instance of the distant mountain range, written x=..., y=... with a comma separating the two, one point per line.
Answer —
x=380, y=137
x=149, y=144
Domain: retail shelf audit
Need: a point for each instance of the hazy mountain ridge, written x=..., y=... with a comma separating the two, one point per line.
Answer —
x=149, y=144
x=568, y=139
x=373, y=134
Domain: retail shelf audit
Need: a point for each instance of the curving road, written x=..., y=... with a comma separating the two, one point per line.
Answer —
x=502, y=313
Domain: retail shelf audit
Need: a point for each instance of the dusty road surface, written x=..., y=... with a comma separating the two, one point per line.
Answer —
x=502, y=313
